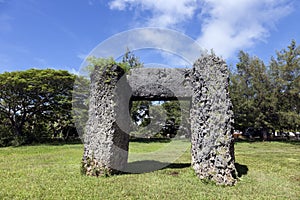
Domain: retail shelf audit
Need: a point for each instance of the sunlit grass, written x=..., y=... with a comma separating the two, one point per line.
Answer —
x=270, y=171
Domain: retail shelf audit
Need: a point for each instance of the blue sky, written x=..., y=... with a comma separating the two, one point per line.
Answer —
x=60, y=33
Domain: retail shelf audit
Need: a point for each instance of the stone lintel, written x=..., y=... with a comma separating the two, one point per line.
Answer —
x=160, y=83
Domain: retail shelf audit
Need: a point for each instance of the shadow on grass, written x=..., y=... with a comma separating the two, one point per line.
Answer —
x=145, y=166
x=241, y=169
x=178, y=166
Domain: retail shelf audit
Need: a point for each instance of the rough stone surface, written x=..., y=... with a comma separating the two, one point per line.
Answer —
x=211, y=119
x=106, y=139
x=160, y=83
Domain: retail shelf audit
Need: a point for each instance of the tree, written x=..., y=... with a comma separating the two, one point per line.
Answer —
x=267, y=96
x=163, y=118
x=177, y=117
x=80, y=103
x=132, y=60
x=5, y=133
x=140, y=112
x=250, y=91
x=284, y=72
x=35, y=98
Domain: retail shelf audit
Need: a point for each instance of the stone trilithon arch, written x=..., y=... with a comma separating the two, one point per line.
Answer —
x=206, y=84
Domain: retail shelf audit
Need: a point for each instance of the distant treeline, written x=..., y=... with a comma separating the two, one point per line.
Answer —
x=36, y=105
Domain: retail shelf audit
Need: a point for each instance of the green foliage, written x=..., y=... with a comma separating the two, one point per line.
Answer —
x=178, y=116
x=267, y=96
x=80, y=103
x=173, y=111
x=165, y=117
x=250, y=93
x=148, y=118
x=285, y=74
x=35, y=103
x=135, y=112
x=129, y=61
x=99, y=62
x=6, y=135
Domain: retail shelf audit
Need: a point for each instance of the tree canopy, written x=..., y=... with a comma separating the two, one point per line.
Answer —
x=267, y=96
x=36, y=99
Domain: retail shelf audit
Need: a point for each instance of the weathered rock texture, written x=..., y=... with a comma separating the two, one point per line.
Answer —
x=211, y=118
x=106, y=138
x=160, y=83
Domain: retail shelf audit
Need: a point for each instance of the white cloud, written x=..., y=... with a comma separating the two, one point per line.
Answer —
x=164, y=13
x=234, y=25
x=226, y=25
x=118, y=5
x=166, y=40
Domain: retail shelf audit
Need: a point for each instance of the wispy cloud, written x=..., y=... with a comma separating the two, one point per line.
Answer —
x=233, y=25
x=165, y=40
x=164, y=13
x=226, y=26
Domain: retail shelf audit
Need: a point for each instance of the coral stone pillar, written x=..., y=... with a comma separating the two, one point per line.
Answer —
x=211, y=119
x=106, y=139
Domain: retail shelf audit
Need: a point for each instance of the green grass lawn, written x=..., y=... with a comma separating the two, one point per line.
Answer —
x=270, y=170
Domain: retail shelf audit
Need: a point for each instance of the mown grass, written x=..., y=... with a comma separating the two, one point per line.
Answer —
x=270, y=170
